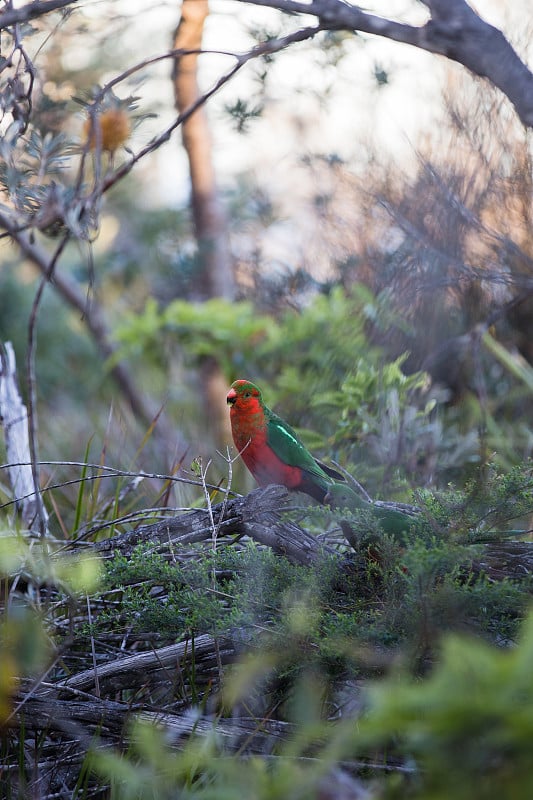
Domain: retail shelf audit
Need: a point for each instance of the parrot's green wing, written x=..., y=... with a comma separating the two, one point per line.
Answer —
x=284, y=442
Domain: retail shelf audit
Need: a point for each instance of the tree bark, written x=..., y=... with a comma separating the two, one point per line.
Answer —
x=216, y=274
x=215, y=277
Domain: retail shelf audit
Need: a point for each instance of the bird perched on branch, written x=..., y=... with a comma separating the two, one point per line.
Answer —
x=273, y=453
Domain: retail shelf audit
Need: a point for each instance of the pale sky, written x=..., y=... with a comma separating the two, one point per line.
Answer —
x=294, y=123
x=390, y=118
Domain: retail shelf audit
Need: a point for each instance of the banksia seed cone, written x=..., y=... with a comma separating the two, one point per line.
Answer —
x=108, y=130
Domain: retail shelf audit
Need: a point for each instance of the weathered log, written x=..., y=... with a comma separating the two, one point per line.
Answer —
x=134, y=670
x=257, y=515
x=80, y=719
x=505, y=559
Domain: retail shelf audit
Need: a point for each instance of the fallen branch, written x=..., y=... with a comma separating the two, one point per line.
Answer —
x=47, y=712
x=257, y=515
x=135, y=670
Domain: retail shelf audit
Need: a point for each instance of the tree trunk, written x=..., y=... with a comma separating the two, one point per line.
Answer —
x=215, y=275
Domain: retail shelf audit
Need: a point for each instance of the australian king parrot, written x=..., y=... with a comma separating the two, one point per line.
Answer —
x=273, y=453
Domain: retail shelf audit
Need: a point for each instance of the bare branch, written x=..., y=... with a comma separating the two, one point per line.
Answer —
x=454, y=30
x=32, y=11
x=92, y=315
x=265, y=48
x=32, y=387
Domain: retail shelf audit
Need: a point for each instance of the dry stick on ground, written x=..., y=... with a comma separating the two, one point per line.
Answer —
x=134, y=670
x=82, y=717
x=243, y=735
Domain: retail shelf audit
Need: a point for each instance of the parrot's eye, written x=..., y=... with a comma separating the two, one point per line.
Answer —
x=247, y=394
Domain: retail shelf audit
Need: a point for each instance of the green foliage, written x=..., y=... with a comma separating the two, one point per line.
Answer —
x=317, y=368
x=440, y=594
x=312, y=350
x=213, y=328
x=212, y=593
x=423, y=584
x=274, y=351
x=344, y=398
x=369, y=393
x=242, y=113
x=468, y=726
x=489, y=502
x=383, y=422
x=168, y=598
x=242, y=339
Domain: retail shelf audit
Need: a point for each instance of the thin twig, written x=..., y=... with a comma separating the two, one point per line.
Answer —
x=265, y=48
x=353, y=481
x=32, y=385
x=93, y=649
x=112, y=472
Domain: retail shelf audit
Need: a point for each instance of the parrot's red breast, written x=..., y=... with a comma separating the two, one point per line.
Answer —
x=249, y=427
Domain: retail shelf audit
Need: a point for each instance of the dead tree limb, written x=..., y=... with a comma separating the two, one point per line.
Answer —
x=14, y=419
x=134, y=670
x=257, y=515
x=80, y=718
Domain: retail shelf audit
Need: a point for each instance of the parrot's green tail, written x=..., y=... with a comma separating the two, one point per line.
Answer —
x=391, y=520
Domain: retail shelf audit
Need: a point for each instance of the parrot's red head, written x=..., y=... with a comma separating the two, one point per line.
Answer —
x=243, y=396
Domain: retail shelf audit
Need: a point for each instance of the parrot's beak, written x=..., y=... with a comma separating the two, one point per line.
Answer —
x=232, y=397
